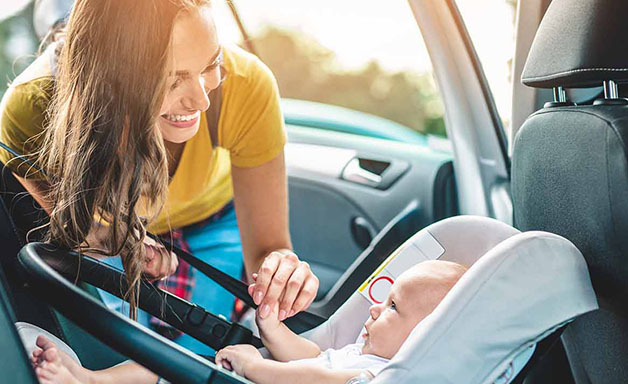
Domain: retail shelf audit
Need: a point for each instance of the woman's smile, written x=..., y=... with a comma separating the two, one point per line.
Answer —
x=181, y=121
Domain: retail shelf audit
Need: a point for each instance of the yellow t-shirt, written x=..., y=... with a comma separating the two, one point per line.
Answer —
x=250, y=133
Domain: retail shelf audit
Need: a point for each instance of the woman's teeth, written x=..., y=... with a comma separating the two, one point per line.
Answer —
x=181, y=117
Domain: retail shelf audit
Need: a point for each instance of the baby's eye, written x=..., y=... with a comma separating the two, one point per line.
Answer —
x=393, y=306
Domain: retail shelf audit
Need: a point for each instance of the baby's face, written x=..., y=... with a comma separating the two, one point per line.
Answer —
x=413, y=296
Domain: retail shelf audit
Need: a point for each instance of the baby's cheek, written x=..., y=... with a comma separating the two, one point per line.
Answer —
x=396, y=336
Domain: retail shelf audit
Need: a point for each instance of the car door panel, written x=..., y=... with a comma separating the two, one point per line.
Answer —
x=334, y=212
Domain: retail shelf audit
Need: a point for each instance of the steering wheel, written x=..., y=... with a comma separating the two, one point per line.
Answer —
x=214, y=331
x=153, y=351
x=50, y=270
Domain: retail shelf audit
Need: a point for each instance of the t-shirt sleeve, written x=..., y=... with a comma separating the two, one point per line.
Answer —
x=22, y=118
x=251, y=124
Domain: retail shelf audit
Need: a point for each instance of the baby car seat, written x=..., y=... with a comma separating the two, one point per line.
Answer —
x=520, y=289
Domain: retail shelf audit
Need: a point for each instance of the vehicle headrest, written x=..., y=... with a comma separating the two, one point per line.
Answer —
x=579, y=44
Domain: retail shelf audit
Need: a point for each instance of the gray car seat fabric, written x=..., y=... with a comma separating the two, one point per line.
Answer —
x=14, y=364
x=570, y=170
x=570, y=177
x=520, y=287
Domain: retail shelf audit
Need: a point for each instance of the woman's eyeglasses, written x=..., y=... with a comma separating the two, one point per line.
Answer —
x=214, y=75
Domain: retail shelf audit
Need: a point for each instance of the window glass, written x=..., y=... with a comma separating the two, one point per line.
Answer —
x=365, y=55
x=491, y=25
x=18, y=42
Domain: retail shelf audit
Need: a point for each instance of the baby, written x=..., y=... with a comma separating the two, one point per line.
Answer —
x=412, y=297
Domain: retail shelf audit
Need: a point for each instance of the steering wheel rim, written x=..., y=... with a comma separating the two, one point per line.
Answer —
x=151, y=350
x=210, y=329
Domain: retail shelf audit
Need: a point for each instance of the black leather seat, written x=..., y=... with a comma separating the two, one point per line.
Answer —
x=570, y=169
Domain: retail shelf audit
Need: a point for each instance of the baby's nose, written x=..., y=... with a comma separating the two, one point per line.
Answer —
x=374, y=311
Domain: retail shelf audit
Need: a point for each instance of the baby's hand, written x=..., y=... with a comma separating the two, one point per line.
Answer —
x=238, y=358
x=271, y=322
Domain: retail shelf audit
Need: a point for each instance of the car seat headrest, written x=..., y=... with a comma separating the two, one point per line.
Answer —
x=579, y=44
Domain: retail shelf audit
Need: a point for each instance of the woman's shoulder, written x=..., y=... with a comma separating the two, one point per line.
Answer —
x=23, y=115
x=24, y=104
x=30, y=92
x=250, y=110
x=244, y=66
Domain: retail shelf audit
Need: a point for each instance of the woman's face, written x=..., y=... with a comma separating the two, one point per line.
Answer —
x=192, y=73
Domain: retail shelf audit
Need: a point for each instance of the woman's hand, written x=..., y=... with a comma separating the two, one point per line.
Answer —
x=238, y=358
x=285, y=279
x=160, y=262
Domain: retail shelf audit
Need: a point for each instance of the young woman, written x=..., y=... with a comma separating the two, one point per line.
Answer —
x=115, y=116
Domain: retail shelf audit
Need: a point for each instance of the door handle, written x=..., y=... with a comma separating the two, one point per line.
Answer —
x=354, y=172
x=380, y=174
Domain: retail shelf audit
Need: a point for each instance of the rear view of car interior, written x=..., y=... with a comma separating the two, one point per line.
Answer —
x=536, y=211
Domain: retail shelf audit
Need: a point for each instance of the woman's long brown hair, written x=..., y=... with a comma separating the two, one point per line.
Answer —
x=103, y=150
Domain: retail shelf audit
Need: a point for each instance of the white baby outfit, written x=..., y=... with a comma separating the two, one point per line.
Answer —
x=348, y=357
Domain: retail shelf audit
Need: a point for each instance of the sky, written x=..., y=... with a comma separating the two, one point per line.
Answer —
x=357, y=30
x=383, y=30
x=10, y=7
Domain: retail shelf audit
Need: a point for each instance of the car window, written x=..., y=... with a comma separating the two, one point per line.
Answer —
x=359, y=65
x=18, y=42
x=363, y=55
x=491, y=25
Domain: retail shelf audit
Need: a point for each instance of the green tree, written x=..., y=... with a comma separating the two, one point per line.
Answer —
x=18, y=43
x=306, y=70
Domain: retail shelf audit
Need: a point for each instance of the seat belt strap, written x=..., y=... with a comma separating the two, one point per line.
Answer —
x=236, y=287
x=212, y=115
x=300, y=322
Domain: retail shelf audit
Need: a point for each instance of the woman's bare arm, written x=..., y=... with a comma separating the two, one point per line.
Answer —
x=261, y=202
x=38, y=189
